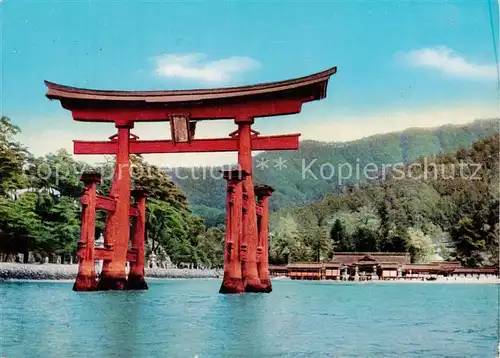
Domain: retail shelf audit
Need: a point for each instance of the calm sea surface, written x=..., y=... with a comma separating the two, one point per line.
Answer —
x=188, y=318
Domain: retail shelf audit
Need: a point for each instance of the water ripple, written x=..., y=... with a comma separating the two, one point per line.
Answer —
x=187, y=318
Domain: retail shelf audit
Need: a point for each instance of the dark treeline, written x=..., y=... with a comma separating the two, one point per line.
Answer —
x=39, y=207
x=440, y=207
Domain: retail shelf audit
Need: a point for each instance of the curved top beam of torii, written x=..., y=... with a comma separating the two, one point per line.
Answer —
x=260, y=100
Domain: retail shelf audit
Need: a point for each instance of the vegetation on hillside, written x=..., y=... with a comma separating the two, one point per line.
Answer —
x=295, y=185
x=39, y=206
x=444, y=206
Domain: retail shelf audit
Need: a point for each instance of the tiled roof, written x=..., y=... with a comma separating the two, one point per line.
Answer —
x=331, y=264
x=476, y=270
x=278, y=267
x=450, y=264
x=305, y=265
x=349, y=258
x=422, y=267
x=389, y=265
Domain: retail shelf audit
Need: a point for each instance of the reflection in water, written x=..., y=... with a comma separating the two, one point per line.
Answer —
x=120, y=326
x=188, y=318
x=32, y=324
x=241, y=324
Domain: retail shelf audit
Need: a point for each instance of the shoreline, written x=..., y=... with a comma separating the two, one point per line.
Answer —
x=330, y=282
x=61, y=272
x=16, y=272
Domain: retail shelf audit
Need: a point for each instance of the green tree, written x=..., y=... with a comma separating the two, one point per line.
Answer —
x=420, y=246
x=468, y=243
x=20, y=225
x=211, y=247
x=286, y=243
x=365, y=240
x=57, y=172
x=12, y=157
x=340, y=240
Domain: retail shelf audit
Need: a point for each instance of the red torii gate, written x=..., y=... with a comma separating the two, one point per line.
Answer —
x=246, y=250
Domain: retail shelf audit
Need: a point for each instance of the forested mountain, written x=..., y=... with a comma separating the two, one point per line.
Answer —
x=296, y=185
x=433, y=205
x=40, y=209
x=444, y=206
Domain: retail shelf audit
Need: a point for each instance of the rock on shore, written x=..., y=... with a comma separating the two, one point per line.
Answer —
x=16, y=271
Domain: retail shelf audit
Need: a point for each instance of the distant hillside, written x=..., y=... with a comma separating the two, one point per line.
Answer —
x=442, y=207
x=295, y=185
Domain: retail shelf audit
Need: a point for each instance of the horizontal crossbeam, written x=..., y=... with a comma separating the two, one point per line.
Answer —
x=262, y=108
x=134, y=211
x=281, y=142
x=103, y=253
x=132, y=255
x=105, y=203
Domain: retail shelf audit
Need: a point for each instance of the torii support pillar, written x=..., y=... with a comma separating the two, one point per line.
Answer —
x=117, y=237
x=136, y=279
x=233, y=278
x=86, y=278
x=251, y=279
x=263, y=192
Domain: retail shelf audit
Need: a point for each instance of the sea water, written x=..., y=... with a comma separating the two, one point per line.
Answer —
x=188, y=318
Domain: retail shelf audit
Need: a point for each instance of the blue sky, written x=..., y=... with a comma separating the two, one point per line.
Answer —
x=400, y=64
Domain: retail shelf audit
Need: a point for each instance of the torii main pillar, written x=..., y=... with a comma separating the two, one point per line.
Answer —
x=117, y=231
x=251, y=280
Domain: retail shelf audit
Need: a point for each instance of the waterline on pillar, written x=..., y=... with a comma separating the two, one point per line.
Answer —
x=254, y=285
x=232, y=285
x=85, y=284
x=112, y=283
x=266, y=283
x=136, y=282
